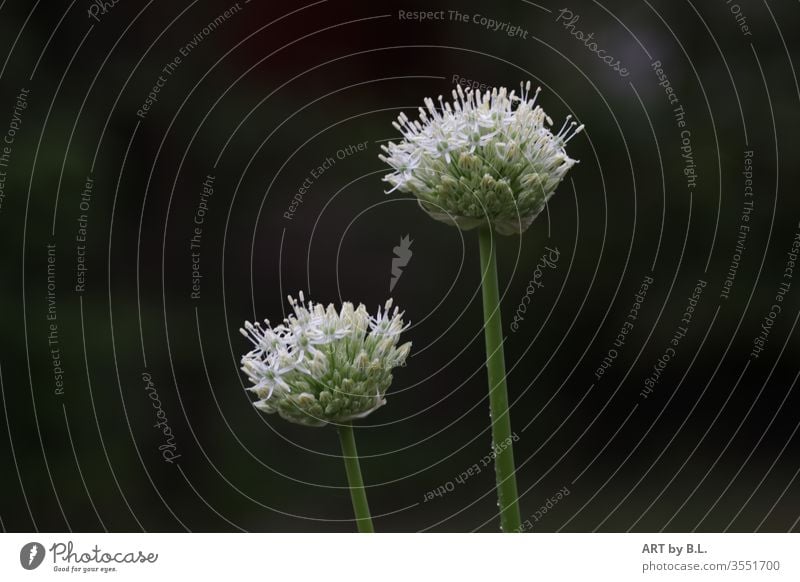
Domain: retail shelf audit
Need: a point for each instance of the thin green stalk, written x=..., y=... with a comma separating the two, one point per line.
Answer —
x=357, y=492
x=498, y=392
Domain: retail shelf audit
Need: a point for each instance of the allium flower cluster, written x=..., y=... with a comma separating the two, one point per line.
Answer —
x=488, y=156
x=322, y=365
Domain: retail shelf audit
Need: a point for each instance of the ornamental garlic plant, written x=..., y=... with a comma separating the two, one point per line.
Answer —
x=488, y=161
x=327, y=366
x=323, y=365
x=487, y=157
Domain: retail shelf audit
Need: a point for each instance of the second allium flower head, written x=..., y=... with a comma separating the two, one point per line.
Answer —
x=324, y=366
x=488, y=156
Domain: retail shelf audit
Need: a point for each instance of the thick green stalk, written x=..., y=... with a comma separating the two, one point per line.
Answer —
x=357, y=492
x=505, y=470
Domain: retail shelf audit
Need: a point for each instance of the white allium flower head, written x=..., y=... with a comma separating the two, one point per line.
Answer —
x=487, y=156
x=322, y=365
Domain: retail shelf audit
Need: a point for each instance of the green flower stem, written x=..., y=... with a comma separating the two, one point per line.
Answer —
x=357, y=492
x=498, y=392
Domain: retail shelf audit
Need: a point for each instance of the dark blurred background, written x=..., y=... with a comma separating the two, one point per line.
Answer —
x=257, y=103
